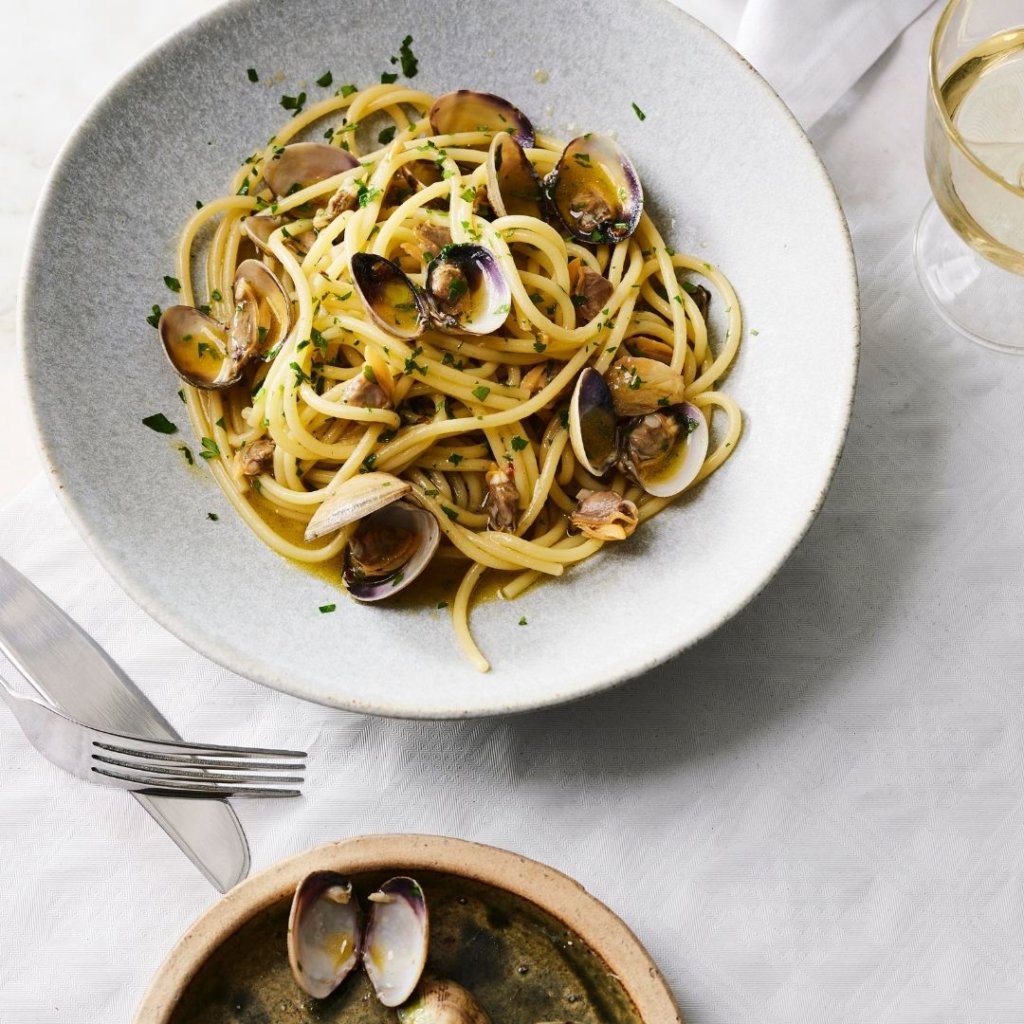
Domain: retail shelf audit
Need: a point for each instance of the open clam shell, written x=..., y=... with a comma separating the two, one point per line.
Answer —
x=468, y=111
x=513, y=187
x=395, y=951
x=324, y=932
x=389, y=550
x=467, y=290
x=439, y=1001
x=664, y=451
x=197, y=347
x=263, y=312
x=261, y=226
x=355, y=499
x=302, y=164
x=391, y=299
x=593, y=426
x=595, y=190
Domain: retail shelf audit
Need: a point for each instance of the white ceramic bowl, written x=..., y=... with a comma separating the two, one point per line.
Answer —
x=728, y=174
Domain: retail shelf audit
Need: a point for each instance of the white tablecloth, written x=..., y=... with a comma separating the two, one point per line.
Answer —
x=816, y=816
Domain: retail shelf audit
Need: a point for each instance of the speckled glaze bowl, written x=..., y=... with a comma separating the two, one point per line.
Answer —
x=530, y=944
x=727, y=173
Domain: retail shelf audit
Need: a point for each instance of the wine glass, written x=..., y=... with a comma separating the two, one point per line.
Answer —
x=974, y=153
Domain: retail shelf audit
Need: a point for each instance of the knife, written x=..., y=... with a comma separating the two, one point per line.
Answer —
x=69, y=669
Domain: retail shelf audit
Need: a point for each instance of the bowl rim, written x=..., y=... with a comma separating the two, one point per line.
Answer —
x=212, y=646
x=557, y=894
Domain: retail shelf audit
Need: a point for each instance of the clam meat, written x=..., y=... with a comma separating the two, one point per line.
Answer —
x=665, y=450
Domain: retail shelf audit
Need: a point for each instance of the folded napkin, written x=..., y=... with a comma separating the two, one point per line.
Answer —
x=810, y=51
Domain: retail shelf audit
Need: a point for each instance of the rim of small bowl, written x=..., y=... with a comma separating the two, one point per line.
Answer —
x=552, y=891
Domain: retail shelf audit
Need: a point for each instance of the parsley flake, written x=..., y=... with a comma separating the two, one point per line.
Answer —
x=347, y=90
x=212, y=516
x=154, y=317
x=251, y=72
x=326, y=609
x=160, y=423
x=209, y=449
x=639, y=113
x=519, y=443
x=172, y=282
x=481, y=392
x=325, y=80
x=522, y=621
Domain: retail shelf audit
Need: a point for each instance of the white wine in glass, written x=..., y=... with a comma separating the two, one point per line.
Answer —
x=974, y=153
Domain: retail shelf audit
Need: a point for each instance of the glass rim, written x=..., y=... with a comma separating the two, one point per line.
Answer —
x=935, y=94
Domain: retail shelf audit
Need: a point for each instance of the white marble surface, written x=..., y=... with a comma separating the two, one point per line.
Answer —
x=815, y=816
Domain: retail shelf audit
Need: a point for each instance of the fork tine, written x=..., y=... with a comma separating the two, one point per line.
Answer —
x=145, y=760
x=208, y=788
x=158, y=773
x=170, y=748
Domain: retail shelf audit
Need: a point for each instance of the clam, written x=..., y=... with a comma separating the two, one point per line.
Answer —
x=196, y=346
x=391, y=547
x=604, y=515
x=295, y=167
x=260, y=227
x=324, y=934
x=442, y=1002
x=593, y=429
x=639, y=386
x=394, y=541
x=211, y=356
x=467, y=290
x=468, y=111
x=513, y=187
x=664, y=450
x=391, y=299
x=355, y=499
x=595, y=190
x=263, y=312
x=395, y=952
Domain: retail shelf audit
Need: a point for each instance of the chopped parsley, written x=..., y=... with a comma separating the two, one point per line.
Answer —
x=539, y=346
x=754, y=331
x=410, y=65
x=181, y=394
x=454, y=458
x=347, y=90
x=518, y=443
x=216, y=295
x=411, y=366
x=583, y=159
x=450, y=513
x=212, y=516
x=325, y=80
x=295, y=103
x=481, y=392
x=386, y=135
x=209, y=449
x=251, y=72
x=172, y=282
x=154, y=317
x=469, y=194
x=300, y=374
x=367, y=194
x=389, y=78
x=199, y=204
x=326, y=609
x=522, y=621
x=187, y=452
x=160, y=423
x=639, y=113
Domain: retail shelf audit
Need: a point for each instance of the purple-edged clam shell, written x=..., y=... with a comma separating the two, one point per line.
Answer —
x=400, y=516
x=596, y=191
x=468, y=111
x=674, y=474
x=324, y=932
x=196, y=346
x=467, y=290
x=302, y=164
x=395, y=951
x=593, y=425
x=513, y=188
x=391, y=299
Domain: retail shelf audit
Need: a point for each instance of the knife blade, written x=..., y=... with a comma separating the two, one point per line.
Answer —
x=68, y=668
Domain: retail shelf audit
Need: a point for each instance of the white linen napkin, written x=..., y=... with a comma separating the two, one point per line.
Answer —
x=810, y=51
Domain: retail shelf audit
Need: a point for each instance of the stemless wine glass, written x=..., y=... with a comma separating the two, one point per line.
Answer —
x=974, y=152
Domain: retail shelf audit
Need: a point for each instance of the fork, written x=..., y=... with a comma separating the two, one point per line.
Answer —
x=156, y=767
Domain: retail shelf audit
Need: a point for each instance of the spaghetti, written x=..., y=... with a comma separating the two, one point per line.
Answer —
x=481, y=425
